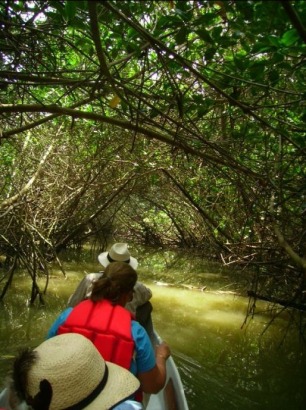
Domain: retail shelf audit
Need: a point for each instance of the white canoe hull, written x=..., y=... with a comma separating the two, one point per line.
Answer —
x=172, y=396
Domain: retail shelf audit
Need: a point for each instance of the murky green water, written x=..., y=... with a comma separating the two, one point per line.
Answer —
x=223, y=365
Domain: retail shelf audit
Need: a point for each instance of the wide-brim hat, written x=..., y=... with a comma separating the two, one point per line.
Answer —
x=78, y=375
x=118, y=253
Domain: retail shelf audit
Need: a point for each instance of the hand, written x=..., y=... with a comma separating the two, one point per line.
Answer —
x=163, y=351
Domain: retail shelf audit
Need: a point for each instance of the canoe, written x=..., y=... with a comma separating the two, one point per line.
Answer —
x=172, y=396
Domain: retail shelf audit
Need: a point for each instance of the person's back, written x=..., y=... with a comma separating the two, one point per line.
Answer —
x=108, y=326
x=115, y=289
x=140, y=305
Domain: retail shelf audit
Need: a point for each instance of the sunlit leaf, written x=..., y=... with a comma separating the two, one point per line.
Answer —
x=114, y=101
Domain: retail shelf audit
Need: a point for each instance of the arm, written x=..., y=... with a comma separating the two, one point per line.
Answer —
x=151, y=367
x=154, y=380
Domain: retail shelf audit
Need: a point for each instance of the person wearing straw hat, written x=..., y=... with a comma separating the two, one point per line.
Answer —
x=111, y=327
x=68, y=372
x=140, y=305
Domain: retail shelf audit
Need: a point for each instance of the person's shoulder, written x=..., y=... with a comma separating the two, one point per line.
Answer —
x=140, y=335
x=93, y=276
x=140, y=285
x=142, y=290
x=137, y=328
x=64, y=313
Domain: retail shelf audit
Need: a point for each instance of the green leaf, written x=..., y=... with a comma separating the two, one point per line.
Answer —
x=181, y=35
x=277, y=58
x=257, y=70
x=209, y=53
x=154, y=113
x=273, y=76
x=167, y=22
x=186, y=16
x=241, y=63
x=131, y=33
x=57, y=5
x=70, y=9
x=216, y=33
x=204, y=20
x=204, y=35
x=262, y=48
x=274, y=41
x=205, y=106
x=290, y=37
x=303, y=117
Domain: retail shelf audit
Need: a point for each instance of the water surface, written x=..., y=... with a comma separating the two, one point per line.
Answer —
x=224, y=363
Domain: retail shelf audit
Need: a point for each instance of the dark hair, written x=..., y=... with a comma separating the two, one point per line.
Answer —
x=19, y=383
x=118, y=278
x=21, y=367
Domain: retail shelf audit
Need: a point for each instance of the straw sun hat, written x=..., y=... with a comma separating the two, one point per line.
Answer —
x=76, y=371
x=117, y=253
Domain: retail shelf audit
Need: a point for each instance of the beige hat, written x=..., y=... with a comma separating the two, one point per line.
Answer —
x=117, y=253
x=78, y=375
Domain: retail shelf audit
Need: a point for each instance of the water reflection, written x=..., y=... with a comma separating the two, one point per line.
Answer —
x=223, y=365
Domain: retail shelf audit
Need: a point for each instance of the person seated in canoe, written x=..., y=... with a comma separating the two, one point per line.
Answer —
x=111, y=327
x=68, y=372
x=140, y=305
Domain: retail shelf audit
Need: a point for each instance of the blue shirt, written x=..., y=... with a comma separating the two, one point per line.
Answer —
x=4, y=403
x=128, y=405
x=144, y=357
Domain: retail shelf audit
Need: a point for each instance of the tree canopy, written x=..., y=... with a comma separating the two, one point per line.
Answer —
x=173, y=123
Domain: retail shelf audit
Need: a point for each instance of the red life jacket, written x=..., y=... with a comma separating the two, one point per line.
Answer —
x=107, y=326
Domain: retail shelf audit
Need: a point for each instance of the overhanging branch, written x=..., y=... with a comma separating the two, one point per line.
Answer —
x=128, y=125
x=92, y=8
x=295, y=19
x=189, y=65
x=15, y=198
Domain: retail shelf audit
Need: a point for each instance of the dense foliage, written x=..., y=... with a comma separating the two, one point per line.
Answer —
x=172, y=123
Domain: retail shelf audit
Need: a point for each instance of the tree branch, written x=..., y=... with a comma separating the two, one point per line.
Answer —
x=34, y=124
x=297, y=259
x=204, y=214
x=281, y=302
x=295, y=19
x=158, y=44
x=13, y=199
x=92, y=8
x=150, y=133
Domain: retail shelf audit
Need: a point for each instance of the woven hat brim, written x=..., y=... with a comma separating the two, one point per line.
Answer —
x=121, y=385
x=102, y=258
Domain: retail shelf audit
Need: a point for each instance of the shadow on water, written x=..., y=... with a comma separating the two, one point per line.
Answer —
x=223, y=364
